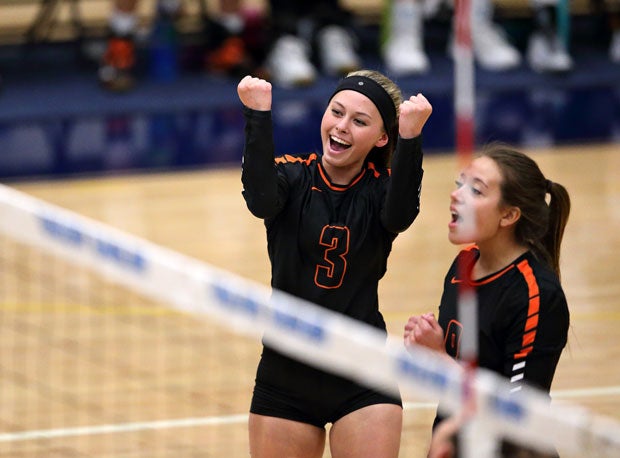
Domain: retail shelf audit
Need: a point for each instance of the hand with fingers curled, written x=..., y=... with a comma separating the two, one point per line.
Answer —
x=255, y=93
x=424, y=330
x=414, y=112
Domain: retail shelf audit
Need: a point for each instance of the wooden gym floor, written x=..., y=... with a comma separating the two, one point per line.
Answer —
x=202, y=214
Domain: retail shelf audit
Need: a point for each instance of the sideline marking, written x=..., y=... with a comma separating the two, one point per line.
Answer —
x=238, y=418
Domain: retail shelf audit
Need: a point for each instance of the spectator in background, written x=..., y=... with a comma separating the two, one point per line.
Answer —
x=609, y=11
x=235, y=39
x=403, y=47
x=116, y=71
x=614, y=46
x=546, y=50
x=403, y=50
x=306, y=35
x=226, y=50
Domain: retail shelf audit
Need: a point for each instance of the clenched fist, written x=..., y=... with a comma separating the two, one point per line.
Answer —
x=255, y=93
x=414, y=113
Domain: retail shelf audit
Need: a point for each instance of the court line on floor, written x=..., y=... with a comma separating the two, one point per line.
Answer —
x=238, y=418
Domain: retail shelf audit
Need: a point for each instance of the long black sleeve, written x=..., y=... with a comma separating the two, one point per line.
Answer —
x=402, y=201
x=258, y=175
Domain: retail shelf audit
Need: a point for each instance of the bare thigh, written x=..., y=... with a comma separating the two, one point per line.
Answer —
x=274, y=437
x=370, y=432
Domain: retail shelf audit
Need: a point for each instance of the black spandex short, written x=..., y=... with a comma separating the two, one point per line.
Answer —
x=286, y=388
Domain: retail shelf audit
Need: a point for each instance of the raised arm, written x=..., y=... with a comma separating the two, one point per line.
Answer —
x=258, y=175
x=402, y=203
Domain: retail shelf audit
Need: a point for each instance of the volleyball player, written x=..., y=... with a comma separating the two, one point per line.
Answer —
x=516, y=218
x=331, y=217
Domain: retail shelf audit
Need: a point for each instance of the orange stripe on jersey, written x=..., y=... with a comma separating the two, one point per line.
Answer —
x=531, y=324
x=534, y=306
x=523, y=353
x=490, y=279
x=486, y=280
x=528, y=338
x=375, y=172
x=290, y=158
x=529, y=277
x=336, y=187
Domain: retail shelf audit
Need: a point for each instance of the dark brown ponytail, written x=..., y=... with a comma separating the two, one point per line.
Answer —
x=542, y=222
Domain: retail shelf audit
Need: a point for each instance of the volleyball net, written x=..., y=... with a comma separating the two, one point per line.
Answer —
x=103, y=333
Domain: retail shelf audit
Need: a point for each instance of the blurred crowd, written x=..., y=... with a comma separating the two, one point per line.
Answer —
x=291, y=42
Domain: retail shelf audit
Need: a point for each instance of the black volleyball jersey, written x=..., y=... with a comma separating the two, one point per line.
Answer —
x=328, y=243
x=523, y=319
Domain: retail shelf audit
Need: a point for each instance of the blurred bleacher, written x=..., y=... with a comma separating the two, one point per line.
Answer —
x=56, y=120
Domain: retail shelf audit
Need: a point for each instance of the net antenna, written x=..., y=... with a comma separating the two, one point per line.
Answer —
x=475, y=438
x=464, y=79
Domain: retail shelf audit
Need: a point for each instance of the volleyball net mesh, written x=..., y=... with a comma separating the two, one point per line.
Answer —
x=112, y=346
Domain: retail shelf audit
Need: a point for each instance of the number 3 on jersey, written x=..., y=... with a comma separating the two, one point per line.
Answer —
x=335, y=243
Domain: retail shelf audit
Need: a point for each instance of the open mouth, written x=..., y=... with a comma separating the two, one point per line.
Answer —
x=337, y=144
x=454, y=216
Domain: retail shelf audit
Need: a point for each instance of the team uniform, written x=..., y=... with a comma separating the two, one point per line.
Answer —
x=523, y=319
x=328, y=244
